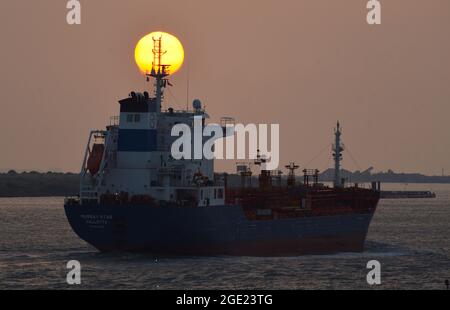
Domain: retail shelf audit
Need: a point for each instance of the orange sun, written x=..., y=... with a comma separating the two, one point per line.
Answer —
x=173, y=57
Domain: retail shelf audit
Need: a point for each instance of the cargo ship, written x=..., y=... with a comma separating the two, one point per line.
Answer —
x=135, y=197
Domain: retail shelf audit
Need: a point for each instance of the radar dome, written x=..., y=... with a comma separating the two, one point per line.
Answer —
x=197, y=104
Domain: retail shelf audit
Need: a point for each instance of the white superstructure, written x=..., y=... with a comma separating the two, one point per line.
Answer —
x=133, y=156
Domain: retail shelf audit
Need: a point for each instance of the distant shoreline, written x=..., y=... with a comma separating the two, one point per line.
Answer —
x=53, y=184
x=36, y=184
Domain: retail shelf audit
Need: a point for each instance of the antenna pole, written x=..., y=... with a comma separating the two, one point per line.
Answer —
x=337, y=155
x=187, y=87
x=159, y=93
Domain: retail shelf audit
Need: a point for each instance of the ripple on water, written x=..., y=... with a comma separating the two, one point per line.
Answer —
x=408, y=237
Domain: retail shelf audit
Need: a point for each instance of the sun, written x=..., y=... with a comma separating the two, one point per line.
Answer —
x=174, y=55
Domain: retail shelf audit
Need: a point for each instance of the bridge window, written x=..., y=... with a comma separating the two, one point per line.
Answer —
x=133, y=118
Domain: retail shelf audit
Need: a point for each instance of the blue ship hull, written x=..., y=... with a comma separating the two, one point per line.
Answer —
x=218, y=230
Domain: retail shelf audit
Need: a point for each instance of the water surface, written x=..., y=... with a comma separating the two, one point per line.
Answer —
x=410, y=238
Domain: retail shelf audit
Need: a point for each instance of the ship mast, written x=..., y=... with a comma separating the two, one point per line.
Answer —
x=337, y=156
x=159, y=71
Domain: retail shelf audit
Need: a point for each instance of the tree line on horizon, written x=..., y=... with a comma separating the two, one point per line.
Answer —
x=46, y=184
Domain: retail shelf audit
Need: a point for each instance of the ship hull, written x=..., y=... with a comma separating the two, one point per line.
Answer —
x=218, y=230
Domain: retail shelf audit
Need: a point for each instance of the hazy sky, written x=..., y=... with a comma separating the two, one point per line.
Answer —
x=301, y=63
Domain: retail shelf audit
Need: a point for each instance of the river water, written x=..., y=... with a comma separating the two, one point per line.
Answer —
x=410, y=238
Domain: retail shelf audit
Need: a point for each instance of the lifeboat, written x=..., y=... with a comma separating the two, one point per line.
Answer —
x=95, y=158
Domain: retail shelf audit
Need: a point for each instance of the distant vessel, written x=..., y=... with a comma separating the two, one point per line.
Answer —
x=135, y=197
x=407, y=195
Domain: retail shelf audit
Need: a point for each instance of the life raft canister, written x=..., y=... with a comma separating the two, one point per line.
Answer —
x=95, y=158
